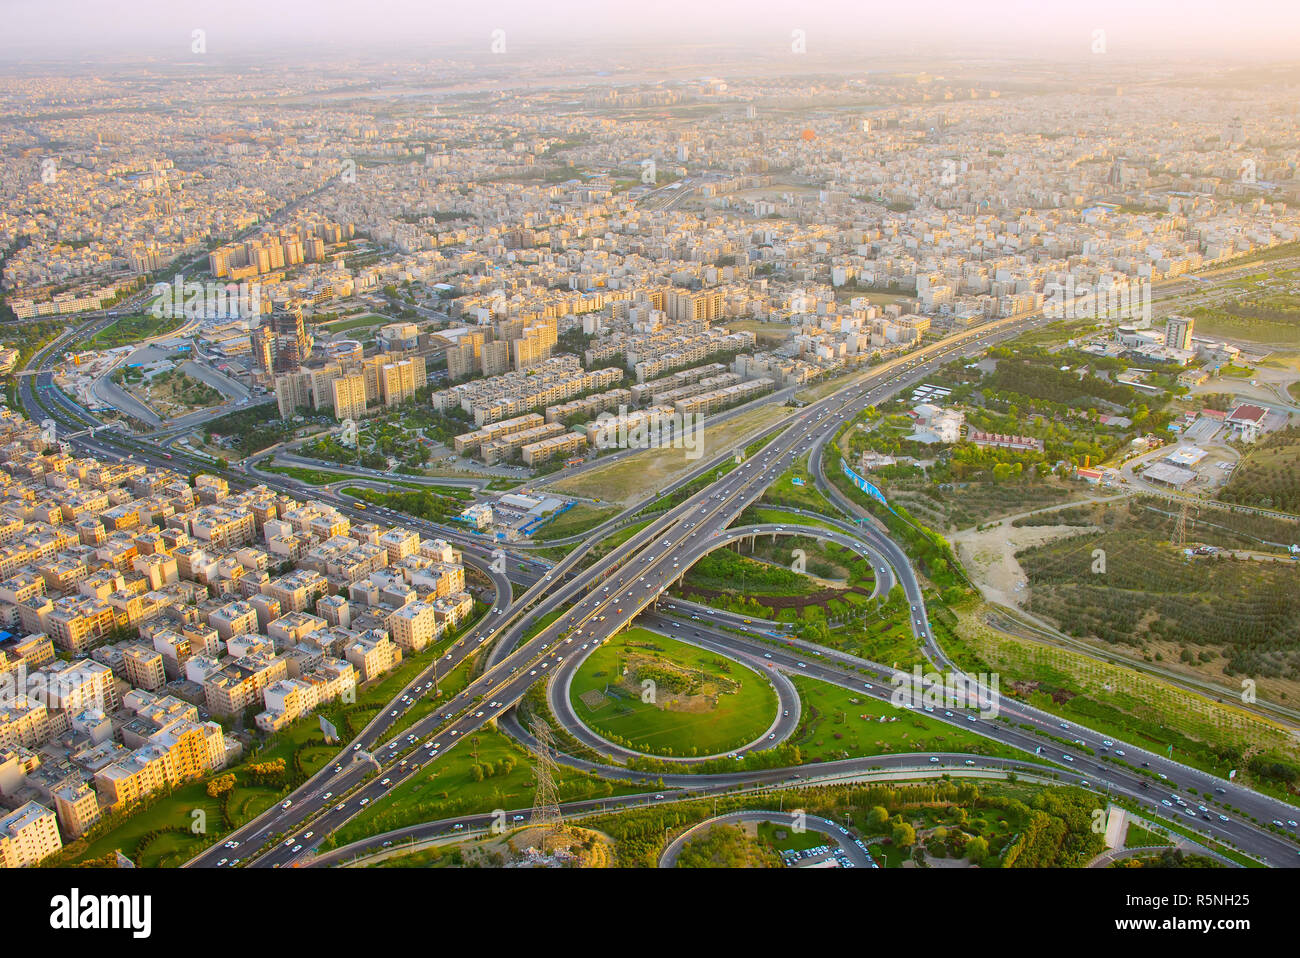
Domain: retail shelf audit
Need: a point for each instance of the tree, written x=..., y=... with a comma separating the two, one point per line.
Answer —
x=977, y=849
x=877, y=817
x=904, y=835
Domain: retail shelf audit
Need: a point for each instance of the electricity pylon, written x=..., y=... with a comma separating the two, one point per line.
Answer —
x=1179, y=538
x=546, y=806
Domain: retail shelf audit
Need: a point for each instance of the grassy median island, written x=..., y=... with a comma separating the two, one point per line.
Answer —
x=837, y=723
x=759, y=578
x=704, y=704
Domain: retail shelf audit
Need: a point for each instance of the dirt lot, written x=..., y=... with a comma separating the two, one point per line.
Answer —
x=989, y=556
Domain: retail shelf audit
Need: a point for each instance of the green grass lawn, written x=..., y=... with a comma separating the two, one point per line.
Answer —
x=315, y=477
x=786, y=492
x=133, y=329
x=1236, y=372
x=739, y=718
x=886, y=639
x=780, y=837
x=577, y=520
x=356, y=322
x=838, y=723
x=1139, y=837
x=757, y=515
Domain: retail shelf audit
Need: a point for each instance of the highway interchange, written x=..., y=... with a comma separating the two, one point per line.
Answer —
x=595, y=603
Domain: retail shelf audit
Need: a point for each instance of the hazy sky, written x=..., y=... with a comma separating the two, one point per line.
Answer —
x=1240, y=29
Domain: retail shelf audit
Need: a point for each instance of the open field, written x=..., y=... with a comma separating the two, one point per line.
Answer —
x=1267, y=318
x=650, y=470
x=578, y=519
x=173, y=393
x=1269, y=474
x=1219, y=615
x=838, y=723
x=703, y=703
x=797, y=495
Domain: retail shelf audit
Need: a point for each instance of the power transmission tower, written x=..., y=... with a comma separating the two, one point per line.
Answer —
x=546, y=806
x=1179, y=538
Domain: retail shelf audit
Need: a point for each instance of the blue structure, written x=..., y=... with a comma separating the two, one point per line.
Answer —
x=865, y=486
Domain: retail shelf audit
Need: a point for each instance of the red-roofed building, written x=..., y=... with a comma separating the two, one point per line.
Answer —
x=1248, y=420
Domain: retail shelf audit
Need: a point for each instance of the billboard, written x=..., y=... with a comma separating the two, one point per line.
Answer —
x=865, y=486
x=331, y=733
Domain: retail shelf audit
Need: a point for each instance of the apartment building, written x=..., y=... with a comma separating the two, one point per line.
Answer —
x=28, y=836
x=414, y=626
x=349, y=396
x=23, y=721
x=559, y=446
x=181, y=751
x=398, y=381
x=288, y=700
x=237, y=686
x=372, y=654
x=144, y=667
x=468, y=443
x=77, y=808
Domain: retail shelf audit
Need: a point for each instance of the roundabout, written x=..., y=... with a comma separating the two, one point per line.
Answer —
x=643, y=694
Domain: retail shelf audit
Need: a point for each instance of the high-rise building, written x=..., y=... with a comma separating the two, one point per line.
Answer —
x=1178, y=332
x=263, y=349
x=398, y=381
x=349, y=396
x=495, y=358
x=292, y=343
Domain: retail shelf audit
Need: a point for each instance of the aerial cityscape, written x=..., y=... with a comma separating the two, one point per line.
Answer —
x=752, y=450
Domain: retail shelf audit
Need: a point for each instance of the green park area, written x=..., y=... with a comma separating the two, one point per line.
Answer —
x=780, y=837
x=703, y=704
x=727, y=846
x=984, y=824
x=355, y=322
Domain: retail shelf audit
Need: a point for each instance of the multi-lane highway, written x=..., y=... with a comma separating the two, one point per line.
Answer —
x=593, y=604
x=590, y=605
